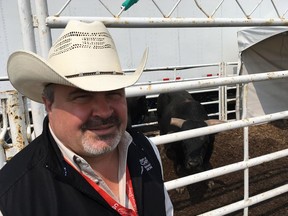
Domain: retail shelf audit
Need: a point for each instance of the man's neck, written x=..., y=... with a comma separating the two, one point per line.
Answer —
x=107, y=166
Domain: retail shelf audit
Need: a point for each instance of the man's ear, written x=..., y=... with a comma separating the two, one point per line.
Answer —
x=47, y=104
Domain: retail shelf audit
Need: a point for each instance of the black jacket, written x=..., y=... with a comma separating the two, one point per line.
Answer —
x=38, y=182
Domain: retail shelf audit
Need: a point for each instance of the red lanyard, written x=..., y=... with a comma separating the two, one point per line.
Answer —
x=115, y=205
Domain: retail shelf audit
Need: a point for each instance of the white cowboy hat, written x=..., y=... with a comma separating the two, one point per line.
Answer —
x=84, y=56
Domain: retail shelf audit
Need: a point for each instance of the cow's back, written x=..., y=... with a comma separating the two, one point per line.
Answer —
x=192, y=110
x=180, y=104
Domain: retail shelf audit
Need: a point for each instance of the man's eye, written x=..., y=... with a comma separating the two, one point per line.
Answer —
x=81, y=98
x=115, y=95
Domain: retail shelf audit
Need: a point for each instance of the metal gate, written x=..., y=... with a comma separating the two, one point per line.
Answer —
x=206, y=16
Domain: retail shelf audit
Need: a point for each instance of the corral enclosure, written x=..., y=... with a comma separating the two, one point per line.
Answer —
x=229, y=188
x=188, y=41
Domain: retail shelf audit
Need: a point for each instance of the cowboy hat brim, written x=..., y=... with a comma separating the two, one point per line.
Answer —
x=29, y=74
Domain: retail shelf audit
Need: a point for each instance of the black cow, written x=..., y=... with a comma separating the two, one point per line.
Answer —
x=137, y=110
x=178, y=111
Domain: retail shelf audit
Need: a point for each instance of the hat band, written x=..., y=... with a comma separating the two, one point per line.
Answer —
x=94, y=73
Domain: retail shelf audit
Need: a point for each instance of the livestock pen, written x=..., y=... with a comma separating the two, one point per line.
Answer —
x=16, y=110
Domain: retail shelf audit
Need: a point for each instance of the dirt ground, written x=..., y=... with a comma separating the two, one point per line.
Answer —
x=263, y=139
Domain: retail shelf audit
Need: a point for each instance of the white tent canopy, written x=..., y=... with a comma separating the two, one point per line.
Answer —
x=264, y=49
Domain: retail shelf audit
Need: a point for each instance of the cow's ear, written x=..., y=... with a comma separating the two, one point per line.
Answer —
x=210, y=122
x=177, y=122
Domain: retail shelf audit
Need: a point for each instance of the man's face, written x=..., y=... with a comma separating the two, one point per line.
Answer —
x=88, y=123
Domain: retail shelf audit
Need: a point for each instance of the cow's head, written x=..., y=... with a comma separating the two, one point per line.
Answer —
x=195, y=149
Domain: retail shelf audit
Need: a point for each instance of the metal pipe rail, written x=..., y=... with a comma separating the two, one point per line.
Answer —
x=4, y=79
x=216, y=172
x=149, y=89
x=138, y=22
x=249, y=202
x=164, y=139
x=14, y=113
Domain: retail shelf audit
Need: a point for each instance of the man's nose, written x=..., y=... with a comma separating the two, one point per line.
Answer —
x=102, y=107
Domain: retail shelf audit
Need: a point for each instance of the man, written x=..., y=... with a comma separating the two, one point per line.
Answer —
x=84, y=162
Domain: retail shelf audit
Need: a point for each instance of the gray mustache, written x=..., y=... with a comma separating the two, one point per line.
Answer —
x=97, y=122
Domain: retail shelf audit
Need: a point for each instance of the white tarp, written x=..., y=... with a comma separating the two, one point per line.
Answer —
x=264, y=49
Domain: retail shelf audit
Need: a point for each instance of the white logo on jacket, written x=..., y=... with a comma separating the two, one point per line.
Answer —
x=145, y=164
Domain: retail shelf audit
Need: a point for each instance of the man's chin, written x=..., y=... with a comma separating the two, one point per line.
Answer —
x=101, y=144
x=100, y=149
